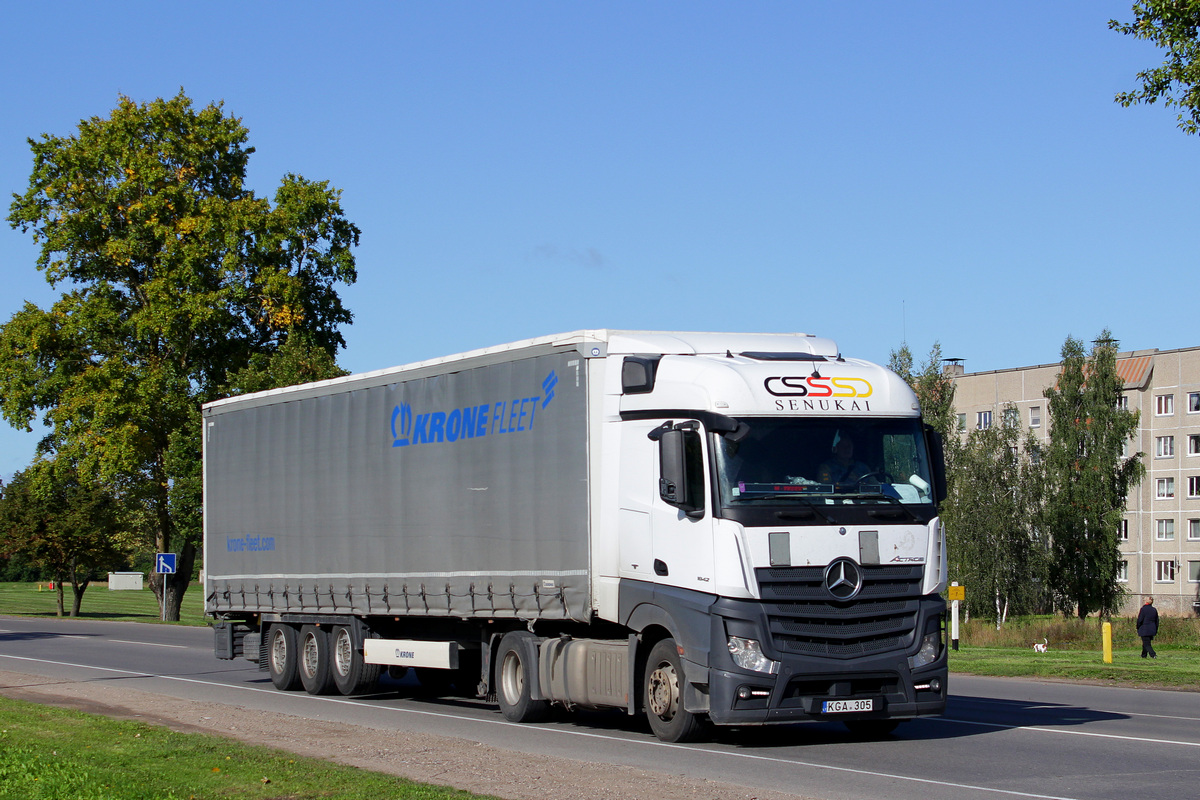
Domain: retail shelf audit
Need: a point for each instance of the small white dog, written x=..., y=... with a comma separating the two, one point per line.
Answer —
x=1040, y=647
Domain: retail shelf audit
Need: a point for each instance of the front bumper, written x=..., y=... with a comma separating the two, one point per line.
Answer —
x=802, y=684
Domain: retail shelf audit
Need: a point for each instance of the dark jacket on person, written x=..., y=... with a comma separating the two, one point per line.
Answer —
x=1147, y=621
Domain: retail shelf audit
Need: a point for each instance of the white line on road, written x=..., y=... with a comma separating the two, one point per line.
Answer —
x=578, y=733
x=1058, y=706
x=1064, y=731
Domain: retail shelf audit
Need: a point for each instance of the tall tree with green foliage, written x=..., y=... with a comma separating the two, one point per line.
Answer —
x=1171, y=25
x=55, y=518
x=1088, y=476
x=991, y=520
x=175, y=278
x=934, y=388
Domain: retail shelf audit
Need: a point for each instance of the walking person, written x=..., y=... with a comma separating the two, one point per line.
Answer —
x=1147, y=626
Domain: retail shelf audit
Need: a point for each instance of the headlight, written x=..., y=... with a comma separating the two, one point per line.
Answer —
x=931, y=645
x=748, y=654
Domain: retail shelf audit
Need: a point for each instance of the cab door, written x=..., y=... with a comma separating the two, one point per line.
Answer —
x=680, y=513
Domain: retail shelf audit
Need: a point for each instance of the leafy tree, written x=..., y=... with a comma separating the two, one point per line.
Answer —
x=1088, y=477
x=991, y=519
x=1172, y=25
x=934, y=388
x=53, y=517
x=176, y=277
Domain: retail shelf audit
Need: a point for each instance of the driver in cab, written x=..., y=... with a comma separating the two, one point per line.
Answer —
x=842, y=468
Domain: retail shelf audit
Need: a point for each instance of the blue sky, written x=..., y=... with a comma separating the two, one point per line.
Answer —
x=869, y=172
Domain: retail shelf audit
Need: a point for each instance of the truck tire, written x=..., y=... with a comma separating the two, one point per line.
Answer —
x=351, y=674
x=283, y=657
x=663, y=696
x=315, y=660
x=514, y=679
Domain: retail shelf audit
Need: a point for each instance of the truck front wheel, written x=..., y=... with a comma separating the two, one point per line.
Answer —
x=351, y=675
x=664, y=696
x=282, y=657
x=315, y=660
x=514, y=679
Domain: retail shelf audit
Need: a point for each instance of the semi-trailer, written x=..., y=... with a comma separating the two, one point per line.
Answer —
x=707, y=528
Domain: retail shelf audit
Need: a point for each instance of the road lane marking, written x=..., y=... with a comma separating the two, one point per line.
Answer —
x=1064, y=731
x=560, y=731
x=1048, y=706
x=149, y=644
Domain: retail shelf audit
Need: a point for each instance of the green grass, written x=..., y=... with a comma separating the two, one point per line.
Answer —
x=99, y=602
x=53, y=753
x=1076, y=651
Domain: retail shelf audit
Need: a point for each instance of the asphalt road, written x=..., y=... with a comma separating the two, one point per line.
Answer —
x=1000, y=738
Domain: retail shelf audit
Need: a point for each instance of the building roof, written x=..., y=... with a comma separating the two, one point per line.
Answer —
x=1135, y=372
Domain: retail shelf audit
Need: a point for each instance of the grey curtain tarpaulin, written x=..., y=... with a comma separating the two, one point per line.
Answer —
x=459, y=494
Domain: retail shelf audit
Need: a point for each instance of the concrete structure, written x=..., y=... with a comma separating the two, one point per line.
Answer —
x=1161, y=533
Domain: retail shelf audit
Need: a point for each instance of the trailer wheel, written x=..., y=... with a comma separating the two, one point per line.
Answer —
x=283, y=657
x=664, y=696
x=315, y=660
x=513, y=680
x=351, y=674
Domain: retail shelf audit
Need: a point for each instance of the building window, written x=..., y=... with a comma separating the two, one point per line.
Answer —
x=1194, y=486
x=1035, y=417
x=1194, y=530
x=983, y=420
x=1123, y=572
x=1164, y=446
x=1193, y=572
x=1124, y=530
x=1165, y=531
x=1164, y=488
x=1193, y=402
x=1012, y=417
x=1164, y=405
x=1123, y=403
x=1194, y=444
x=962, y=423
x=1164, y=571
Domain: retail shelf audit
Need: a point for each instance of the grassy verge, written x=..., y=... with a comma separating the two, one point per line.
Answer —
x=49, y=752
x=1075, y=652
x=99, y=602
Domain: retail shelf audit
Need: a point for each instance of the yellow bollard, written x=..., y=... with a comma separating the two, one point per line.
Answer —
x=1108, y=643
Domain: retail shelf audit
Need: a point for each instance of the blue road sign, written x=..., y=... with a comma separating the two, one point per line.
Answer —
x=164, y=563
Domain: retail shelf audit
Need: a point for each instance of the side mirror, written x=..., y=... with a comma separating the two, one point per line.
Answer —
x=672, y=480
x=677, y=482
x=937, y=455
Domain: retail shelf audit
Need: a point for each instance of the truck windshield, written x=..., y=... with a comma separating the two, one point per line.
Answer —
x=825, y=461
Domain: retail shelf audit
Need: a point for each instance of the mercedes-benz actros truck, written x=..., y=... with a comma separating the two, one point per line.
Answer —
x=705, y=528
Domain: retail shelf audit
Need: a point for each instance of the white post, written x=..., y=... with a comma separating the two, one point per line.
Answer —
x=954, y=621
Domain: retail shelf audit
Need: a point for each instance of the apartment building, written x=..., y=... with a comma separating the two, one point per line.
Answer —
x=1160, y=532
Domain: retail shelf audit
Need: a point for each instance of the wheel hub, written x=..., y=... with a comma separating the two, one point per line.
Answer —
x=663, y=696
x=343, y=655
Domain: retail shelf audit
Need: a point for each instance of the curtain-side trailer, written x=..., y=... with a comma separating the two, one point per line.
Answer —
x=708, y=528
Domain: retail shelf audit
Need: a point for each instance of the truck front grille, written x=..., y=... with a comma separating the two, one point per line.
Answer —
x=806, y=620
